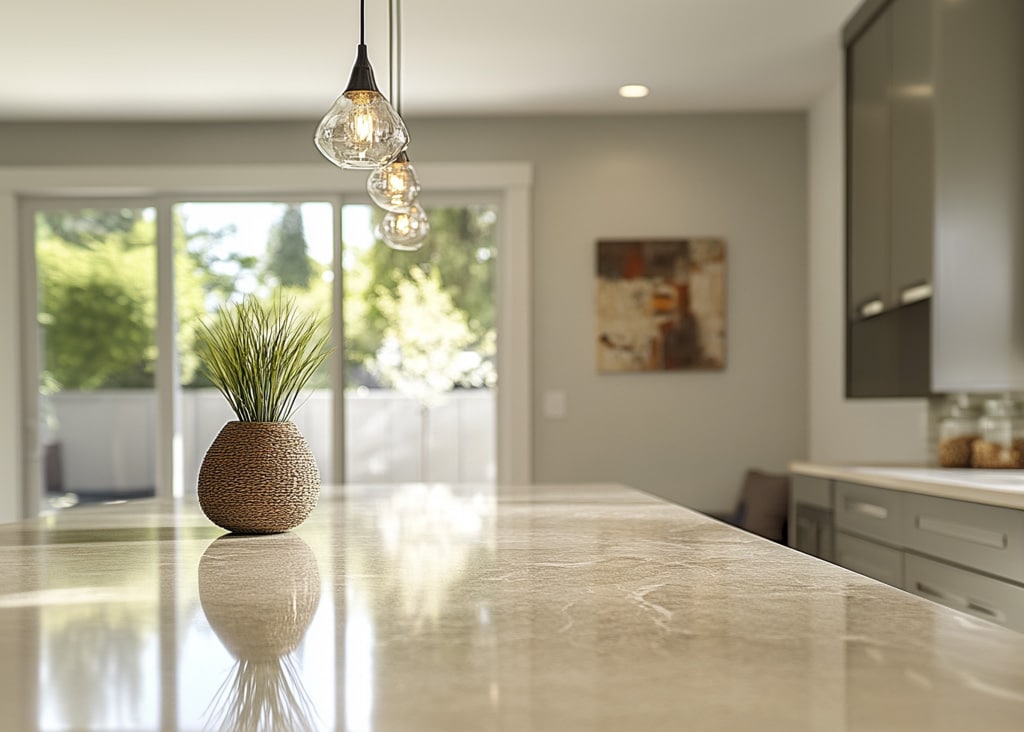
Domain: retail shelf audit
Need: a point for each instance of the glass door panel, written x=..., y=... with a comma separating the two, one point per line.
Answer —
x=96, y=313
x=420, y=341
x=224, y=251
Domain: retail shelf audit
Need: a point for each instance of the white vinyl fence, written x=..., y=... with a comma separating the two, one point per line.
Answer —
x=107, y=439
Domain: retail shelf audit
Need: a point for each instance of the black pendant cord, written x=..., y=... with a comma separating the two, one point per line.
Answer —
x=362, y=22
x=395, y=48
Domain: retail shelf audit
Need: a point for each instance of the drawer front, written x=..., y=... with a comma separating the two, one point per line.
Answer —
x=868, y=511
x=961, y=589
x=879, y=562
x=988, y=538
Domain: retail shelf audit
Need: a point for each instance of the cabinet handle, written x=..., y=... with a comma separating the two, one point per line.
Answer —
x=871, y=308
x=956, y=601
x=964, y=532
x=867, y=509
x=976, y=607
x=937, y=594
x=915, y=293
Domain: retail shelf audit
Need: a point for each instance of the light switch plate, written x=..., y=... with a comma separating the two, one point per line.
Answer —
x=556, y=405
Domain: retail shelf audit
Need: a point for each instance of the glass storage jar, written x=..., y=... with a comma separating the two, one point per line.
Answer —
x=959, y=428
x=1001, y=444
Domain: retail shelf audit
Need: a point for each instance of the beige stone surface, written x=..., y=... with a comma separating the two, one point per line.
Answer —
x=450, y=608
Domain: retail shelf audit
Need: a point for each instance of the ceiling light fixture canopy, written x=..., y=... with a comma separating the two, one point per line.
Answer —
x=361, y=130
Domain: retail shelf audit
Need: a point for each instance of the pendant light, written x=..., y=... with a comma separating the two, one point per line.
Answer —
x=405, y=230
x=394, y=187
x=361, y=130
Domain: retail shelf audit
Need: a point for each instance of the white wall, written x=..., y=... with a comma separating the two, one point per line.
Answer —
x=843, y=430
x=686, y=436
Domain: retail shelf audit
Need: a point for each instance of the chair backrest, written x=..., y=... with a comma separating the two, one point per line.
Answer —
x=764, y=505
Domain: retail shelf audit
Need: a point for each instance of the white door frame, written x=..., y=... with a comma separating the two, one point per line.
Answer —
x=509, y=183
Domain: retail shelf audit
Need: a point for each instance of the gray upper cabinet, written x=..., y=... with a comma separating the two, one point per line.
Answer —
x=912, y=152
x=870, y=64
x=890, y=155
x=935, y=197
x=978, y=335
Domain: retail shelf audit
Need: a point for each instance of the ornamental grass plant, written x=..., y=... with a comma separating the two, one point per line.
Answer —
x=260, y=355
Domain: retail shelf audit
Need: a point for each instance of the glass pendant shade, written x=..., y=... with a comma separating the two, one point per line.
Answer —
x=361, y=130
x=394, y=187
x=405, y=230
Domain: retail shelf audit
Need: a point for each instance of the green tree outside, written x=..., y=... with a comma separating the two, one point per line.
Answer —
x=97, y=275
x=288, y=260
x=461, y=247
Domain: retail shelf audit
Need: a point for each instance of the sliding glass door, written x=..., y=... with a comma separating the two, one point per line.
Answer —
x=95, y=314
x=420, y=347
x=123, y=406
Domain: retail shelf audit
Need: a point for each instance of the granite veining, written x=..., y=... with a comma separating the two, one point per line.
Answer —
x=416, y=607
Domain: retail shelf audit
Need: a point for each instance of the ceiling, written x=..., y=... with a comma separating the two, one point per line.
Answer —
x=255, y=59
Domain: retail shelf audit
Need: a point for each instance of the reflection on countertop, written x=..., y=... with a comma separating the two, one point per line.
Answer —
x=259, y=595
x=436, y=607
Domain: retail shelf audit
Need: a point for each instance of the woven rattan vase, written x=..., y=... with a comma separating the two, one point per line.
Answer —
x=259, y=478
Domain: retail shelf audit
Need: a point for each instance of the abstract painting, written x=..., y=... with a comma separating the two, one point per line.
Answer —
x=660, y=304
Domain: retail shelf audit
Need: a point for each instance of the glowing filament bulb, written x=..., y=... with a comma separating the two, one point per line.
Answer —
x=405, y=230
x=394, y=187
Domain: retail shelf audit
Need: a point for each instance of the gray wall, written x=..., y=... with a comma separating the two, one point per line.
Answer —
x=686, y=436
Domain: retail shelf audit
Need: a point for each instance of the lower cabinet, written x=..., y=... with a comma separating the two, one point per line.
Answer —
x=964, y=555
x=810, y=516
x=961, y=589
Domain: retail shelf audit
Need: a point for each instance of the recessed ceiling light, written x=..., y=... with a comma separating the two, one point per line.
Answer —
x=634, y=91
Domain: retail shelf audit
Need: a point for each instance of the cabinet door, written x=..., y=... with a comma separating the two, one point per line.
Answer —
x=869, y=59
x=877, y=561
x=912, y=151
x=978, y=341
x=807, y=493
x=813, y=531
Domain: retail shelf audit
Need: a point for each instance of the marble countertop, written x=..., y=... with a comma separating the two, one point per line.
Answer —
x=558, y=608
x=992, y=487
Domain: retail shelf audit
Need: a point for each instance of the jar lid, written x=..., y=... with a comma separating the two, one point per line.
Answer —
x=959, y=405
x=1004, y=406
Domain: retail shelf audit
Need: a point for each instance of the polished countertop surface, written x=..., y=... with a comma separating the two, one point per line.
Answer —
x=992, y=487
x=415, y=607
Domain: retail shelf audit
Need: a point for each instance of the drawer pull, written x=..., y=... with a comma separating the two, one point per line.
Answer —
x=937, y=594
x=964, y=532
x=873, y=307
x=956, y=601
x=915, y=293
x=867, y=509
x=975, y=607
